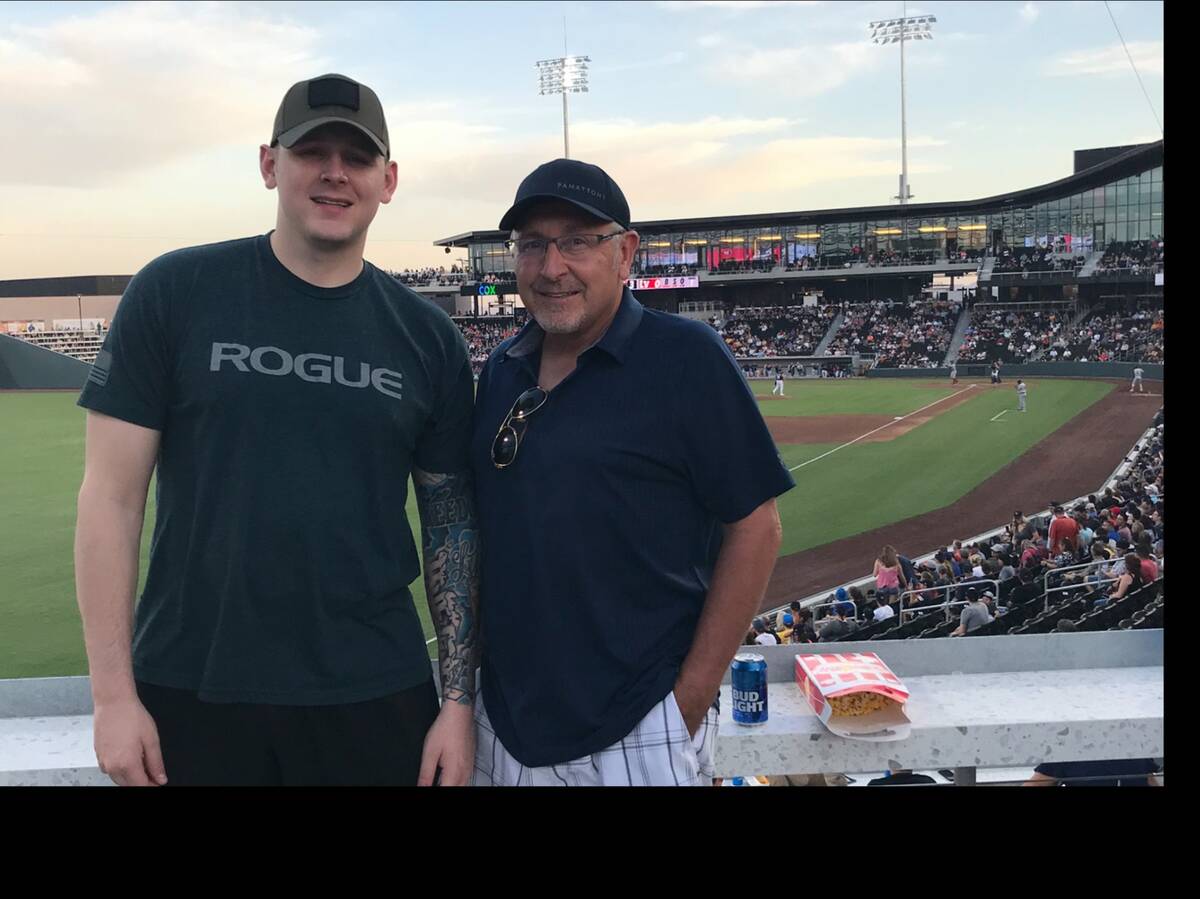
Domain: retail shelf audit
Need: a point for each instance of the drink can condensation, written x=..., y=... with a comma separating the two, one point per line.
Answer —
x=749, y=679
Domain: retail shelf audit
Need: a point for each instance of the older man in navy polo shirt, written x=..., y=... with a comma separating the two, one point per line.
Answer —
x=626, y=490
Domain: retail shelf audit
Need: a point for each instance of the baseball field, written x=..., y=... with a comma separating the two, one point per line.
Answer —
x=914, y=463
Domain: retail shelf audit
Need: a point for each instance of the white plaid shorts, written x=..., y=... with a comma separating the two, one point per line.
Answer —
x=657, y=753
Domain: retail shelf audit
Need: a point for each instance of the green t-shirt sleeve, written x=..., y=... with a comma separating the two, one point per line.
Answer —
x=130, y=378
x=444, y=446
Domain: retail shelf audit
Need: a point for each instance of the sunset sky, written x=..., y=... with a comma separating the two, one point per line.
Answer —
x=133, y=128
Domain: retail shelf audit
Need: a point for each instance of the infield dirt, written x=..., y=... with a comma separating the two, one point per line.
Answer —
x=840, y=428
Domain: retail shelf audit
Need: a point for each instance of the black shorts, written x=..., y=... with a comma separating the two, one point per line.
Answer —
x=377, y=742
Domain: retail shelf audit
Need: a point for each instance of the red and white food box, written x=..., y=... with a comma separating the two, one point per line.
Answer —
x=826, y=675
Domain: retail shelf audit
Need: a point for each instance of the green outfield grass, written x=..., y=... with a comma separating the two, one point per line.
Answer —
x=868, y=485
x=854, y=489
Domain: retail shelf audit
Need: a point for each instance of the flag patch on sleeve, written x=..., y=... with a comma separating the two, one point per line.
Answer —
x=99, y=373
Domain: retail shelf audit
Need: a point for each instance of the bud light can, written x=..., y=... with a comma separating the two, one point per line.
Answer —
x=749, y=678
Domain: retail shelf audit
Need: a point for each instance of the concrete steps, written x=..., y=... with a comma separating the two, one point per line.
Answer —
x=823, y=346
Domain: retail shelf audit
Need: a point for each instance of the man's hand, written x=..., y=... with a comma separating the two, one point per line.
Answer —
x=692, y=706
x=126, y=742
x=449, y=747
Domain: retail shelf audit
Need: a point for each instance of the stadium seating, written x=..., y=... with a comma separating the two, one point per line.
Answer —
x=1115, y=336
x=1010, y=335
x=901, y=335
x=776, y=331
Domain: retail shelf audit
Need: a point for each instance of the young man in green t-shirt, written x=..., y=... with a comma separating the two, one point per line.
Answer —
x=284, y=390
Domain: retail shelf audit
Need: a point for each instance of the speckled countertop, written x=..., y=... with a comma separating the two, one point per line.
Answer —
x=49, y=752
x=1028, y=717
x=1010, y=719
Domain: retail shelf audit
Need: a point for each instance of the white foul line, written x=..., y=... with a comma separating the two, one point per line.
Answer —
x=881, y=427
x=994, y=417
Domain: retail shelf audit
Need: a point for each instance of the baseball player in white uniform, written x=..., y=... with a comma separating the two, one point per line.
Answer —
x=1137, y=380
x=1020, y=395
x=778, y=391
x=954, y=372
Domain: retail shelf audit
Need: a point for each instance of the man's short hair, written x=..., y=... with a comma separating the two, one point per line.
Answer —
x=794, y=606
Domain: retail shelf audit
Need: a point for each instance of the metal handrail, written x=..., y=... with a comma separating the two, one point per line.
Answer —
x=1097, y=563
x=948, y=604
x=1084, y=584
x=1043, y=275
x=1080, y=565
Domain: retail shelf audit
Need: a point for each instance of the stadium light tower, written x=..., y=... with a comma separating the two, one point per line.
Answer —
x=565, y=75
x=897, y=31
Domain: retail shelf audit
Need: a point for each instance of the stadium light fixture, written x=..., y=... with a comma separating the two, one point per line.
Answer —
x=811, y=235
x=733, y=240
x=565, y=75
x=897, y=31
x=972, y=227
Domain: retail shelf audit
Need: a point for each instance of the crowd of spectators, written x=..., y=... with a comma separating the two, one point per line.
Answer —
x=1010, y=335
x=640, y=270
x=1111, y=543
x=430, y=277
x=834, y=259
x=776, y=330
x=891, y=257
x=1113, y=337
x=742, y=267
x=881, y=258
x=902, y=335
x=482, y=337
x=1134, y=256
x=498, y=278
x=1036, y=259
x=967, y=254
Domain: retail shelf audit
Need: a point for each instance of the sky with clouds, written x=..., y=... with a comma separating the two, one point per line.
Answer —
x=133, y=128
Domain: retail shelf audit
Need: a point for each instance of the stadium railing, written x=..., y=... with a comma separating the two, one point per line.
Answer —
x=975, y=583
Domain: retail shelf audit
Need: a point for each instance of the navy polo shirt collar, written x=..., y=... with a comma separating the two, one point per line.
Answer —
x=615, y=341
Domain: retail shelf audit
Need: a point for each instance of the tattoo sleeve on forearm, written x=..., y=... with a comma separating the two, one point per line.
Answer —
x=450, y=546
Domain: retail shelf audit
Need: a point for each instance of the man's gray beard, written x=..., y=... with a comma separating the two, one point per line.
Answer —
x=556, y=328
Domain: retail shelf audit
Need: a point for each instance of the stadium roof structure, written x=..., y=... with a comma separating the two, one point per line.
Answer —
x=1139, y=157
x=83, y=285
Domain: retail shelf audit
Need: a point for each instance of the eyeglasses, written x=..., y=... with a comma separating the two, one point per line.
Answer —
x=572, y=246
x=508, y=438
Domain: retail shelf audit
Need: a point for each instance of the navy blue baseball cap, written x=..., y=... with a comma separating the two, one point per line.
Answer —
x=585, y=186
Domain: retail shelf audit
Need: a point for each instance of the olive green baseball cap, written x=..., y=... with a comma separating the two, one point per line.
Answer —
x=330, y=98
